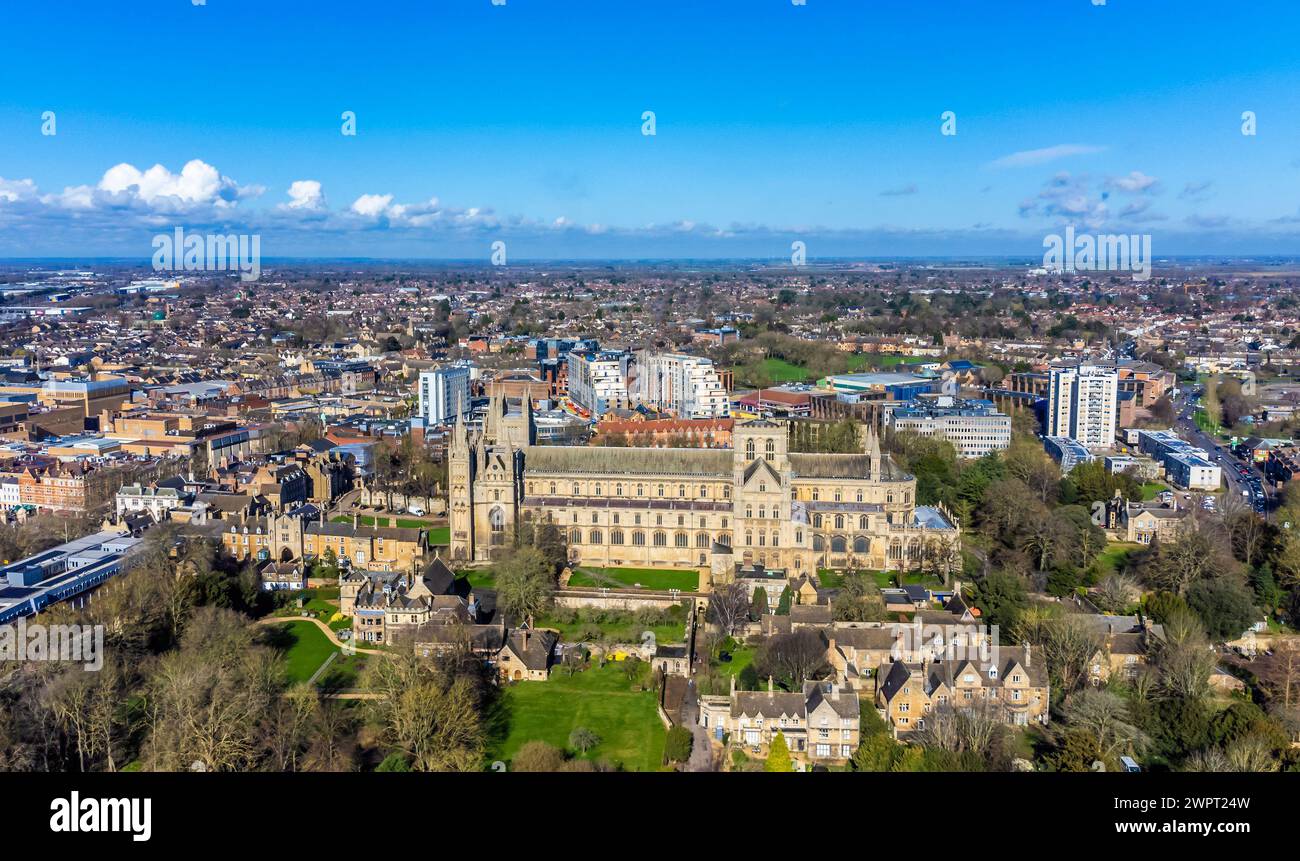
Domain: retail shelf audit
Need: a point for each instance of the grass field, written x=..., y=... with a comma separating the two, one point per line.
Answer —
x=782, y=371
x=1112, y=559
x=616, y=627
x=601, y=700
x=479, y=578
x=306, y=648
x=830, y=579
x=435, y=532
x=741, y=657
x=1151, y=488
x=342, y=673
x=647, y=578
x=322, y=603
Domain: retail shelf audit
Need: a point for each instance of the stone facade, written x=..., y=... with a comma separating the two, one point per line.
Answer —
x=284, y=537
x=755, y=503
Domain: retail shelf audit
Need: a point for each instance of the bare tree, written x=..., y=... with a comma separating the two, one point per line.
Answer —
x=797, y=656
x=1105, y=717
x=965, y=730
x=729, y=608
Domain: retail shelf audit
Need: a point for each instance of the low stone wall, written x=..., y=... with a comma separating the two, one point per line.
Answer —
x=395, y=501
x=611, y=599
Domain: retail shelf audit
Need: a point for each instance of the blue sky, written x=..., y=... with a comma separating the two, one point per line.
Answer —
x=775, y=122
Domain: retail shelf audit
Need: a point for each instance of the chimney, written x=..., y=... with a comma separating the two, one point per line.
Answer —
x=1028, y=654
x=356, y=520
x=769, y=686
x=733, y=686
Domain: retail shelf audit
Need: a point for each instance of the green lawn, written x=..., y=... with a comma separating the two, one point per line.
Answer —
x=1151, y=489
x=321, y=603
x=478, y=578
x=618, y=627
x=782, y=371
x=435, y=533
x=307, y=649
x=648, y=578
x=830, y=579
x=601, y=700
x=342, y=673
x=1112, y=559
x=741, y=657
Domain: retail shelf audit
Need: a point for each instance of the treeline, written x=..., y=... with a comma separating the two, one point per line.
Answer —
x=191, y=681
x=1029, y=530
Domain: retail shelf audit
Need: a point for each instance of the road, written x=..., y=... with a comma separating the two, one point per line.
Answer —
x=1243, y=478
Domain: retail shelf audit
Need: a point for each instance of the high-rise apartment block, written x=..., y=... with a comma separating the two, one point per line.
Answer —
x=687, y=385
x=1082, y=401
x=443, y=392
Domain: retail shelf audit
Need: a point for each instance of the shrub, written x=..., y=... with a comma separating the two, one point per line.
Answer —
x=679, y=745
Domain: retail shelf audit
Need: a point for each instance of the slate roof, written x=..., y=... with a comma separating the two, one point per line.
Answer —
x=842, y=466
x=536, y=654
x=655, y=462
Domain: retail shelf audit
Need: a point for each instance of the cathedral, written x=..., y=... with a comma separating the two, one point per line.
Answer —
x=756, y=503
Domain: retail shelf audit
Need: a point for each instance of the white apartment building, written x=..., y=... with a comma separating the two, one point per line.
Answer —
x=1082, y=403
x=598, y=380
x=975, y=428
x=442, y=392
x=687, y=385
x=133, y=498
x=10, y=494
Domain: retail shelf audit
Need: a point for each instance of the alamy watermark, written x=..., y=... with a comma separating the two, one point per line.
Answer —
x=73, y=644
x=91, y=814
x=212, y=252
x=1103, y=252
x=916, y=642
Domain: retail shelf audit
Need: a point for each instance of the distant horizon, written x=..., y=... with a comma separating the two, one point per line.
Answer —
x=773, y=262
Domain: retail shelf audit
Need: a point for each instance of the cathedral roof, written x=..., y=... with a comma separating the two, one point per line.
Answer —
x=652, y=462
x=841, y=466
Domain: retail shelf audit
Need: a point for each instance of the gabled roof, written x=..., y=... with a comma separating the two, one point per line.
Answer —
x=532, y=648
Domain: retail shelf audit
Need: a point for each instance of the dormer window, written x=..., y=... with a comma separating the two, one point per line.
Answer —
x=993, y=672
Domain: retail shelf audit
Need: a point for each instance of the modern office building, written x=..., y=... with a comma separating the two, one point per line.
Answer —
x=1082, y=401
x=1185, y=465
x=688, y=386
x=598, y=380
x=974, y=427
x=883, y=385
x=443, y=392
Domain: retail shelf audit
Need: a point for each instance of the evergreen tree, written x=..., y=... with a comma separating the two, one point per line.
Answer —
x=778, y=755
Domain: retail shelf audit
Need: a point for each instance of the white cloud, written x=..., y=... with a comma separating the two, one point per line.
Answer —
x=305, y=194
x=198, y=184
x=1030, y=157
x=14, y=190
x=372, y=205
x=1135, y=183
